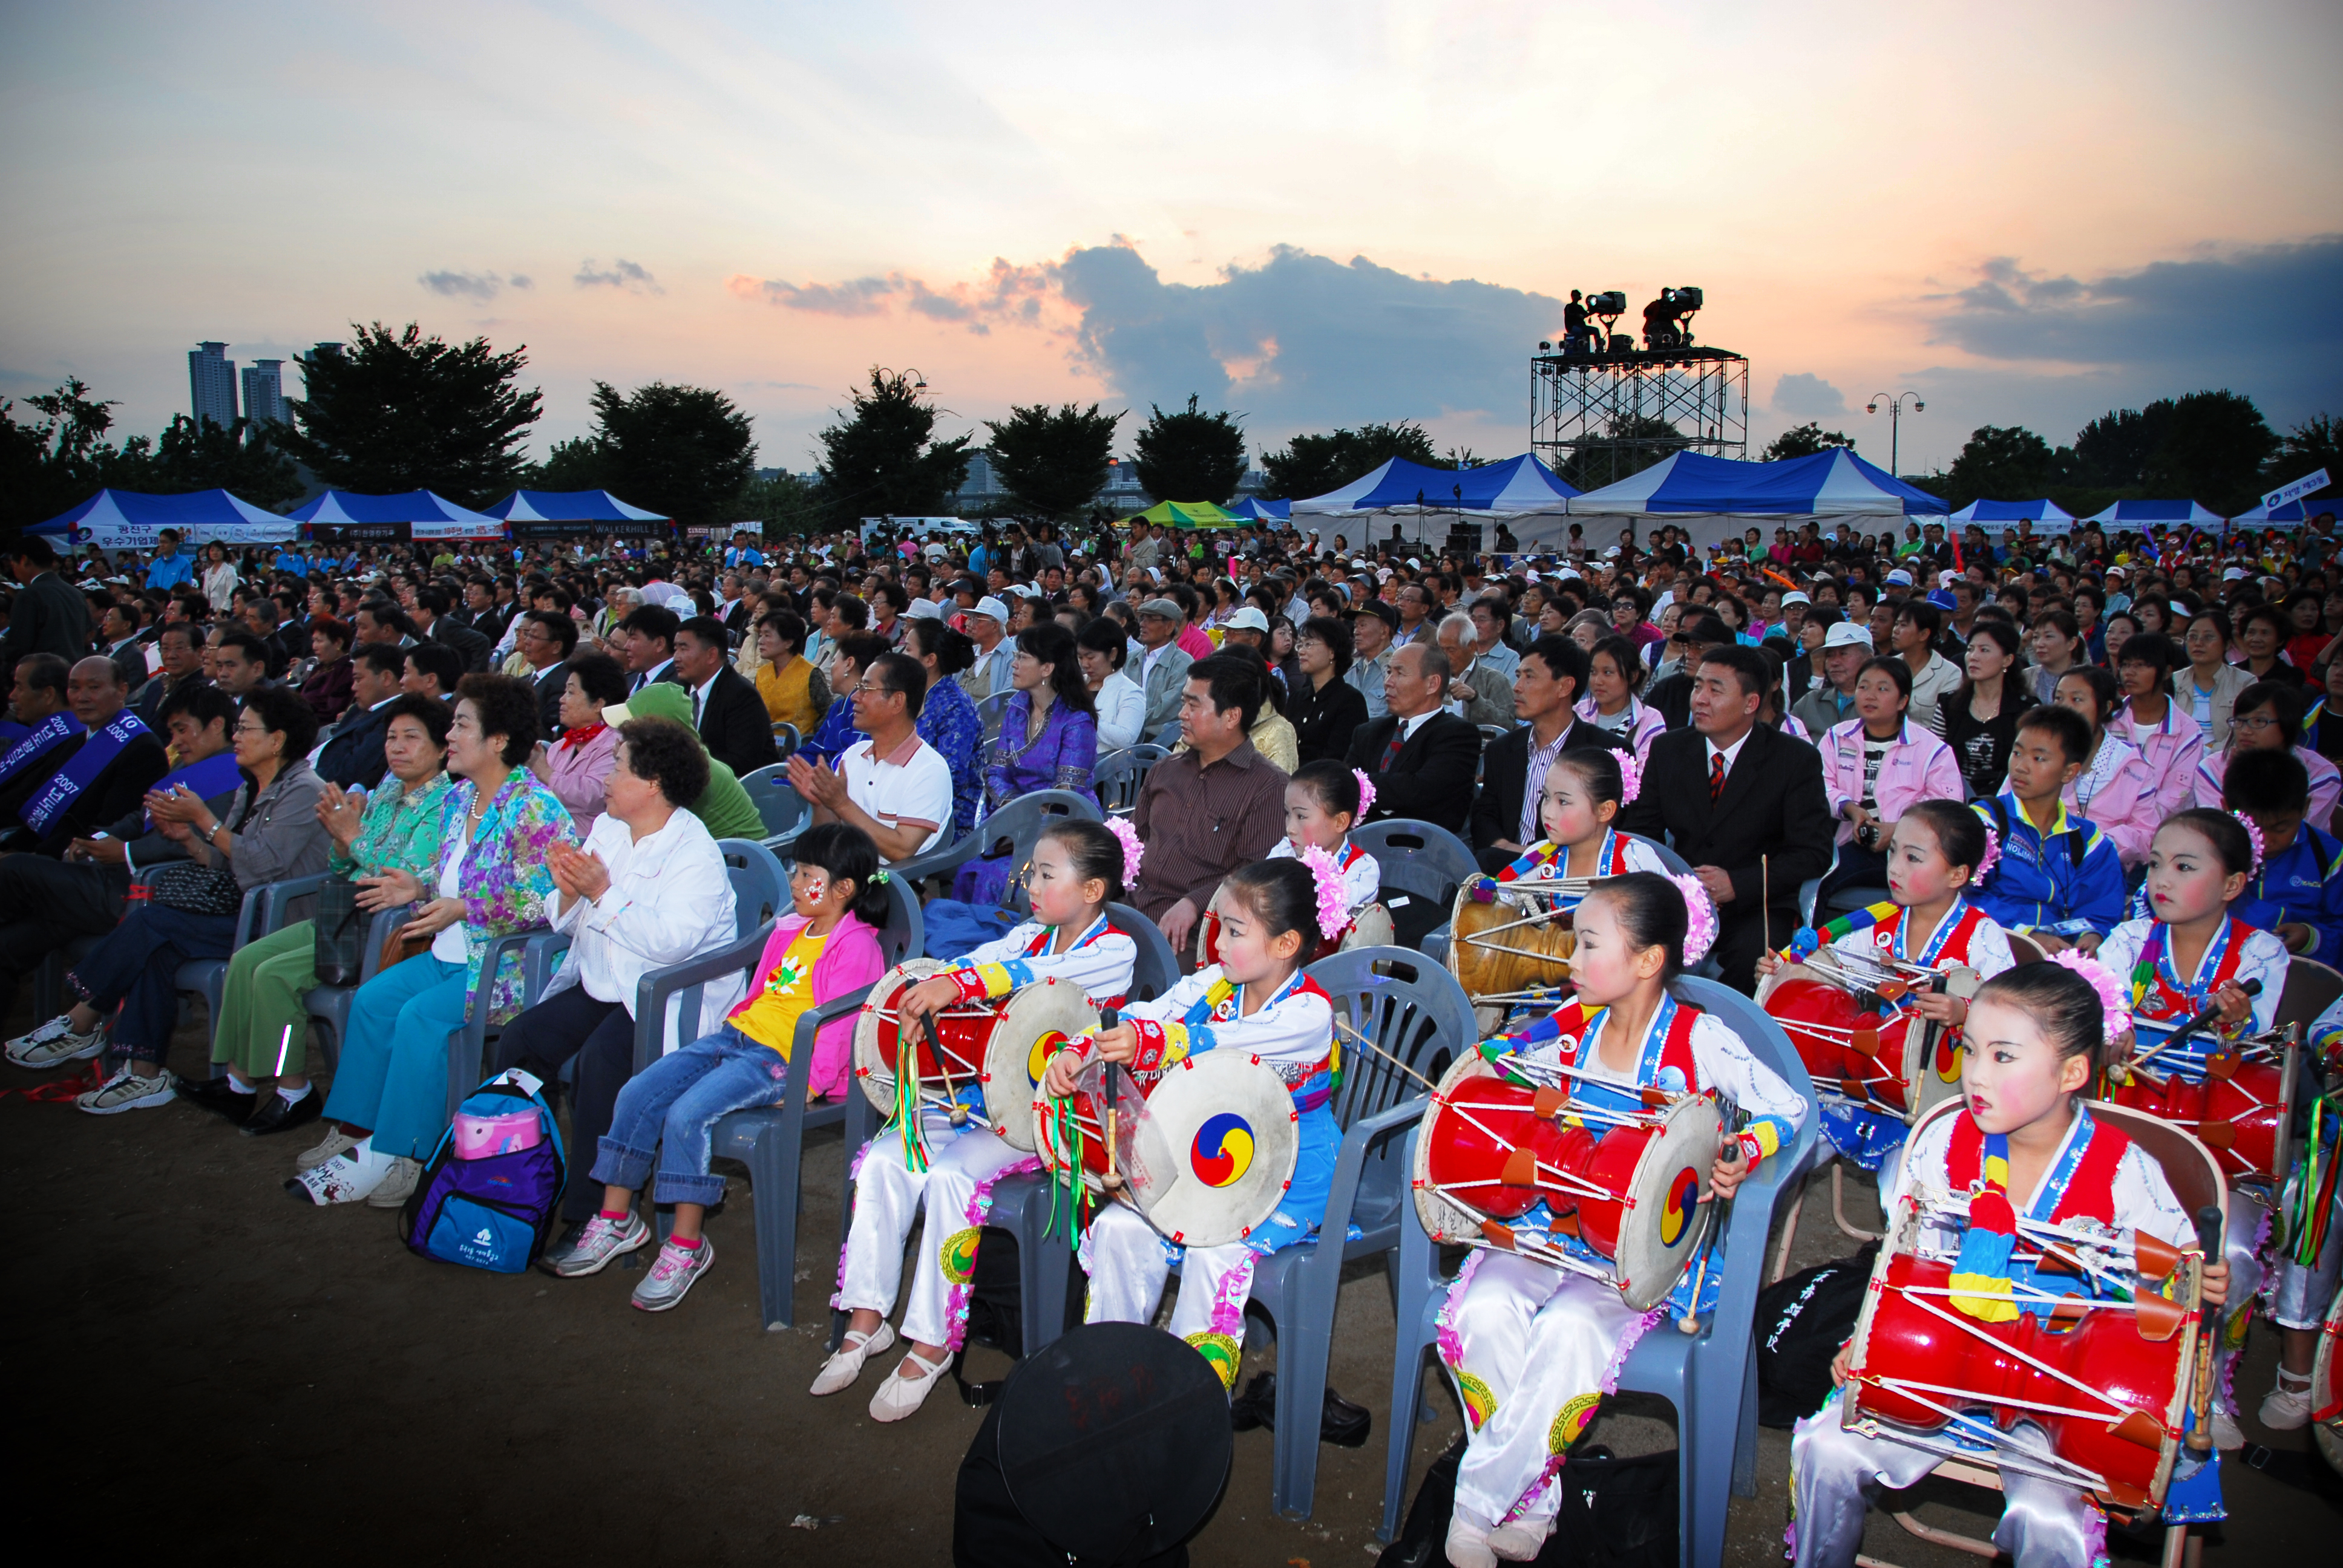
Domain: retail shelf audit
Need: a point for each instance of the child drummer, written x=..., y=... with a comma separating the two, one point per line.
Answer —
x=2191, y=953
x=2023, y=1144
x=1584, y=789
x=1256, y=1000
x=1937, y=851
x=1077, y=869
x=1534, y=1349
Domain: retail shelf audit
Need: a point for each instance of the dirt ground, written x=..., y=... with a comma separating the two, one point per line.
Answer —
x=299, y=1387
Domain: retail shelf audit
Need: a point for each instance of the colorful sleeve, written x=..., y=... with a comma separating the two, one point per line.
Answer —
x=2326, y=1032
x=2265, y=959
x=1726, y=1066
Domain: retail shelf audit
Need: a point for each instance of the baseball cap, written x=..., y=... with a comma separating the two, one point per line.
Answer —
x=1377, y=609
x=924, y=610
x=1846, y=634
x=1249, y=619
x=1900, y=578
x=1169, y=608
x=1796, y=595
x=2233, y=574
x=989, y=606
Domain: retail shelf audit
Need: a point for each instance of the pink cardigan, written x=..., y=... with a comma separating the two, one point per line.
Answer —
x=2170, y=749
x=2126, y=808
x=1918, y=766
x=850, y=960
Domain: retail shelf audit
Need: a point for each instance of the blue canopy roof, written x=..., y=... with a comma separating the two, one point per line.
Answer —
x=2139, y=514
x=1262, y=511
x=131, y=519
x=1517, y=486
x=569, y=506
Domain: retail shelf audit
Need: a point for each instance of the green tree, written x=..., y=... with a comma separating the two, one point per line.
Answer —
x=2005, y=463
x=1191, y=455
x=1804, y=441
x=48, y=466
x=2212, y=448
x=400, y=411
x=2310, y=446
x=581, y=463
x=1314, y=465
x=210, y=458
x=1053, y=460
x=882, y=459
x=1630, y=446
x=783, y=504
x=2112, y=451
x=684, y=451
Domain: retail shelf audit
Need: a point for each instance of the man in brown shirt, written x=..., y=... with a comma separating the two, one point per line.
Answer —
x=1207, y=811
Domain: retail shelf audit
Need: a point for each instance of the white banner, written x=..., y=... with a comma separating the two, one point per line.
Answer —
x=2308, y=485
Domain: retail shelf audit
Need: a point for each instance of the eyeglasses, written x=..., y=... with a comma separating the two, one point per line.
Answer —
x=865, y=688
x=2258, y=723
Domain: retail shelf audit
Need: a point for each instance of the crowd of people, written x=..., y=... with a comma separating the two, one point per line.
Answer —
x=2082, y=745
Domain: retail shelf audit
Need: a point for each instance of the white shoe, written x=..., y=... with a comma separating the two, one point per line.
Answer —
x=2286, y=1407
x=2226, y=1435
x=335, y=1141
x=126, y=1090
x=899, y=1396
x=398, y=1184
x=1521, y=1541
x=1468, y=1543
x=845, y=1363
x=53, y=1044
x=349, y=1177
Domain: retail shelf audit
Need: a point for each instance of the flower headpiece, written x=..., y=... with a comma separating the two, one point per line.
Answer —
x=2112, y=996
x=1991, y=858
x=2254, y=837
x=1132, y=849
x=1700, y=917
x=1366, y=793
x=1631, y=778
x=1334, y=907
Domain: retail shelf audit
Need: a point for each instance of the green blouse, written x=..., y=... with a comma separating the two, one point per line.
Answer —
x=399, y=832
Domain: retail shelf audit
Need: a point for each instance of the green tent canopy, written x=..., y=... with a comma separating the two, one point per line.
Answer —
x=1188, y=515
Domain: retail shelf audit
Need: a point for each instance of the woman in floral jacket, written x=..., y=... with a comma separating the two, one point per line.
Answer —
x=389, y=1102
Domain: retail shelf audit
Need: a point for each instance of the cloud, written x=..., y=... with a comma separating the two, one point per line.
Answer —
x=471, y=284
x=622, y=274
x=1807, y=397
x=1299, y=342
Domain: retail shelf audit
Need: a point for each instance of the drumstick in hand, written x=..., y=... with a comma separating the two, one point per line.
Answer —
x=1108, y=1019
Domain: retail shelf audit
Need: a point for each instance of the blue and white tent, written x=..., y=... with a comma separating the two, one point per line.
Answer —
x=1254, y=510
x=2288, y=514
x=132, y=521
x=416, y=513
x=2140, y=516
x=1516, y=488
x=2001, y=516
x=542, y=513
x=1715, y=499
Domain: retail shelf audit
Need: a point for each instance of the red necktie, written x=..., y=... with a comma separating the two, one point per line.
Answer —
x=1391, y=752
x=1715, y=777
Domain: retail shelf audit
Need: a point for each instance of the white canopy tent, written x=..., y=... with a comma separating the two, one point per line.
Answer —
x=1715, y=499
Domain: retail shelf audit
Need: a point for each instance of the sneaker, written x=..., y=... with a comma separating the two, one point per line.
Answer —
x=53, y=1044
x=349, y=1177
x=398, y=1184
x=126, y=1091
x=599, y=1241
x=899, y=1396
x=2226, y=1435
x=336, y=1141
x=677, y=1270
x=2286, y=1408
x=846, y=1363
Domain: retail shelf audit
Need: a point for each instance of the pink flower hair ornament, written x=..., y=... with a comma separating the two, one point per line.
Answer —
x=1334, y=907
x=2113, y=999
x=2254, y=837
x=1990, y=859
x=1133, y=851
x=1367, y=795
x=1631, y=778
x=1700, y=917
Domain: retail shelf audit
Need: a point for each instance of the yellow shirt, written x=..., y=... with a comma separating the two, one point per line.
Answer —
x=789, y=696
x=772, y=1017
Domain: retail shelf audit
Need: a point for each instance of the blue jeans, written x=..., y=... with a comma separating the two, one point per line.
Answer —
x=135, y=967
x=675, y=1103
x=393, y=1076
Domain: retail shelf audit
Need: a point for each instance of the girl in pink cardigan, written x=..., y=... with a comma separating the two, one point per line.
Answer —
x=1912, y=765
x=827, y=946
x=2117, y=789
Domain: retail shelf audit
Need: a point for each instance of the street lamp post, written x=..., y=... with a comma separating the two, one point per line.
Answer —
x=1894, y=422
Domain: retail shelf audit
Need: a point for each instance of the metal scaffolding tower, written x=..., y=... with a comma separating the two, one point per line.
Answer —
x=1595, y=418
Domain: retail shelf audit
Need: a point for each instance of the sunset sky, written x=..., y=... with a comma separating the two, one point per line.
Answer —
x=1313, y=215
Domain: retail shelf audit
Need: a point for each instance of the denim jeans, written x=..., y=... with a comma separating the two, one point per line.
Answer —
x=675, y=1103
x=135, y=967
x=392, y=1079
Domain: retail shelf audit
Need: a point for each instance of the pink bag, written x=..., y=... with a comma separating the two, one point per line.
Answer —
x=484, y=1137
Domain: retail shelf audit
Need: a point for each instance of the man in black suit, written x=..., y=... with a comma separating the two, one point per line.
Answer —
x=1745, y=805
x=648, y=635
x=432, y=621
x=1513, y=774
x=1419, y=757
x=729, y=715
x=1697, y=633
x=353, y=754
x=547, y=639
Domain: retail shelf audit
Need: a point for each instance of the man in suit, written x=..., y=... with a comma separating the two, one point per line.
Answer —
x=726, y=709
x=1745, y=805
x=352, y=756
x=1419, y=758
x=1671, y=697
x=48, y=616
x=1549, y=680
x=648, y=635
x=180, y=651
x=546, y=638
x=433, y=622
x=1479, y=693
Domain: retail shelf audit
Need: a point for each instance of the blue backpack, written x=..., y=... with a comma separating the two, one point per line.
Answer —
x=487, y=1195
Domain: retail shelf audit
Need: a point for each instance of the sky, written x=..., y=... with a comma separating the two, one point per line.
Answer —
x=1310, y=215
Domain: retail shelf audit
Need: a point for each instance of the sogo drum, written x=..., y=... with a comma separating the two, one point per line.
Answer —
x=1861, y=1042
x=2236, y=1108
x=1509, y=943
x=999, y=1046
x=1492, y=1149
x=2327, y=1387
x=1206, y=1154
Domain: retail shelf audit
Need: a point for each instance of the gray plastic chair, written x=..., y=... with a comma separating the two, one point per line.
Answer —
x=329, y=1005
x=468, y=1048
x=1421, y=863
x=990, y=713
x=760, y=883
x=771, y=1140
x=1021, y=822
x=1710, y=1376
x=786, y=740
x=1121, y=775
x=263, y=911
x=787, y=813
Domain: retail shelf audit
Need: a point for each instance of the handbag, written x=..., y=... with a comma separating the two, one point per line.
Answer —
x=341, y=933
x=401, y=945
x=195, y=890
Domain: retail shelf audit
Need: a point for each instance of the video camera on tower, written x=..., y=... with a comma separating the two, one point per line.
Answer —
x=1667, y=320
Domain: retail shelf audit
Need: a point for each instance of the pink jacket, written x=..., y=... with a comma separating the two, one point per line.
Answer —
x=2326, y=784
x=2171, y=750
x=1645, y=724
x=849, y=960
x=1918, y=766
x=2124, y=807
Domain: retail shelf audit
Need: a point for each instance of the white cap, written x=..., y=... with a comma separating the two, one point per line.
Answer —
x=992, y=607
x=1900, y=578
x=1249, y=619
x=1846, y=634
x=1795, y=595
x=2233, y=574
x=924, y=610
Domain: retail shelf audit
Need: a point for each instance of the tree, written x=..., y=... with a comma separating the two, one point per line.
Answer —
x=1191, y=455
x=1804, y=441
x=2307, y=447
x=188, y=458
x=782, y=504
x=882, y=459
x=2211, y=449
x=581, y=463
x=2006, y=463
x=684, y=451
x=1314, y=465
x=47, y=467
x=2112, y=451
x=400, y=411
x=1632, y=445
x=1052, y=462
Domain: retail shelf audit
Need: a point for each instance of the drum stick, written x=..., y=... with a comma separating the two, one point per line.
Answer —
x=958, y=1111
x=1765, y=903
x=1386, y=1055
x=1108, y=1019
x=2211, y=1014
x=2200, y=1399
